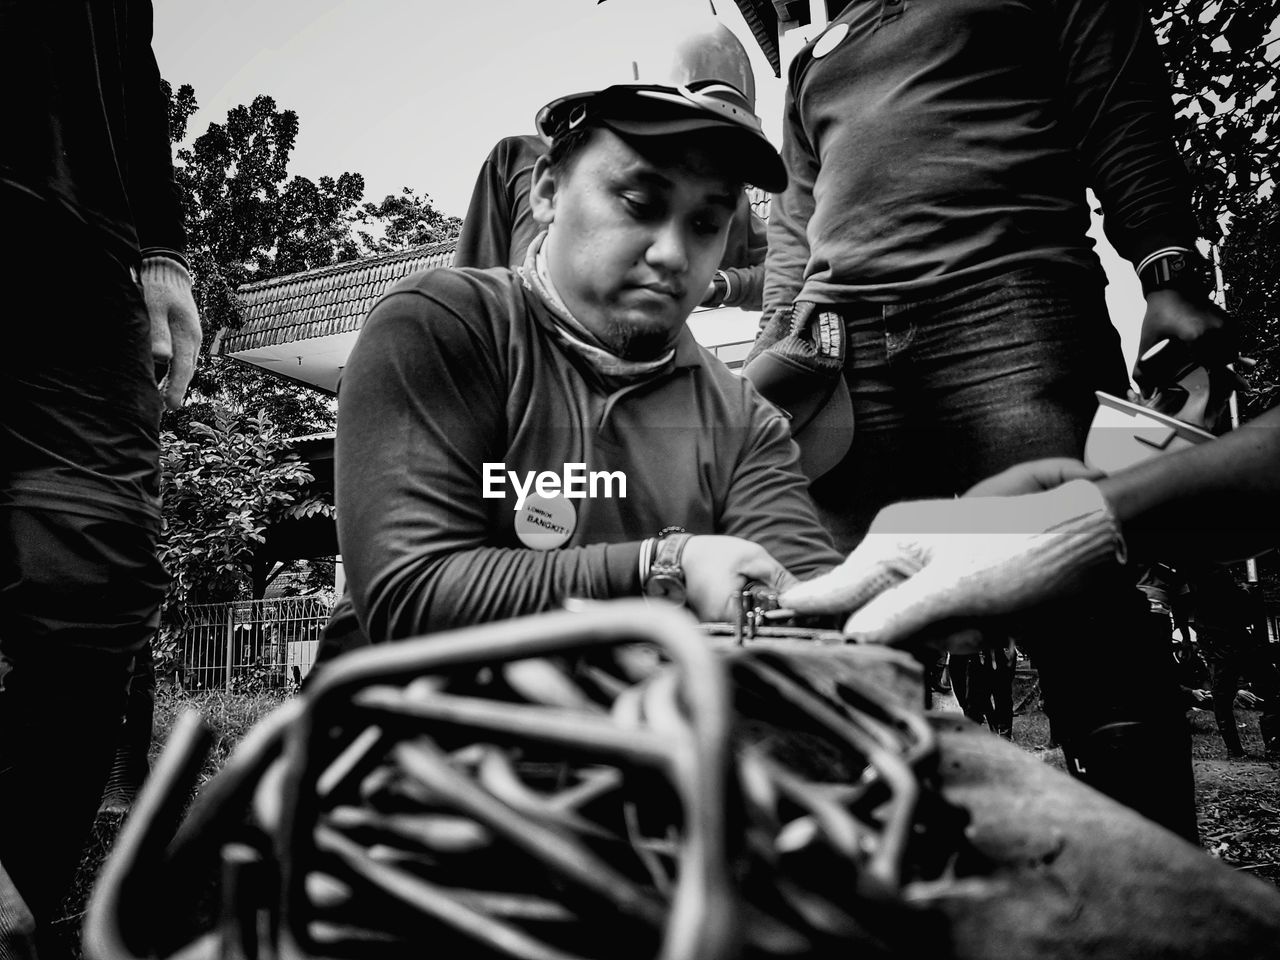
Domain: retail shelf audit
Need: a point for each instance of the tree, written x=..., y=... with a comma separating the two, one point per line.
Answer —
x=223, y=486
x=1223, y=61
x=407, y=220
x=1251, y=269
x=248, y=219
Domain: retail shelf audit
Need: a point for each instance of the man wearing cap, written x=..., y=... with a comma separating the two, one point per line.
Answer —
x=499, y=225
x=937, y=204
x=509, y=439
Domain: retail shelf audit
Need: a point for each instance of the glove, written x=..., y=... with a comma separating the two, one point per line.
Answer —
x=932, y=560
x=175, y=324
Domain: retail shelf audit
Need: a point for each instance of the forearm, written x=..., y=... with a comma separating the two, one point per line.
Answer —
x=768, y=503
x=1220, y=499
x=479, y=585
x=153, y=194
x=789, y=213
x=486, y=229
x=1121, y=115
x=785, y=265
x=744, y=287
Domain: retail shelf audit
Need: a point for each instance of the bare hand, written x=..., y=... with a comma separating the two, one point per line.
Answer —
x=1032, y=477
x=1195, y=321
x=1247, y=698
x=717, y=567
x=175, y=325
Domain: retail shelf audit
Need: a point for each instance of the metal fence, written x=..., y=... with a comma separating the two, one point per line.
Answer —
x=251, y=643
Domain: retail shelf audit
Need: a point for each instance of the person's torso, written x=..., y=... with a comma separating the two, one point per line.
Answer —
x=943, y=151
x=624, y=461
x=64, y=66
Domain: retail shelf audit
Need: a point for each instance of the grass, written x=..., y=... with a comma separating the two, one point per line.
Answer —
x=229, y=715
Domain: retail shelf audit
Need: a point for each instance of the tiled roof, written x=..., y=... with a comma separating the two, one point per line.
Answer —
x=762, y=17
x=328, y=300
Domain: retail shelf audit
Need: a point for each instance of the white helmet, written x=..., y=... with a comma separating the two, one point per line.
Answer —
x=709, y=52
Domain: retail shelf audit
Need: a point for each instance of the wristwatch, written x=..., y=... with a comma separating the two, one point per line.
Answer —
x=721, y=289
x=1173, y=269
x=666, y=576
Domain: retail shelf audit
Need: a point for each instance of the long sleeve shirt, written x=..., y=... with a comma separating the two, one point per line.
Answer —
x=935, y=142
x=85, y=141
x=455, y=369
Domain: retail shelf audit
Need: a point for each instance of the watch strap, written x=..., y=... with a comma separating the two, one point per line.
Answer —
x=667, y=554
x=1172, y=268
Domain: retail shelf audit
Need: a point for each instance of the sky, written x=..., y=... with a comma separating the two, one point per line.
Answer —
x=415, y=92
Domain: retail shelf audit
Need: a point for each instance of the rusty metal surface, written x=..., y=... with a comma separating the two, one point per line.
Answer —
x=614, y=783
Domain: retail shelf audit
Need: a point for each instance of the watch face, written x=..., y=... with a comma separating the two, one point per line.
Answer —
x=665, y=587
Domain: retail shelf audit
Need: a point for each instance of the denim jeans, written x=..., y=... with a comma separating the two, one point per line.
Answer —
x=954, y=388
x=951, y=389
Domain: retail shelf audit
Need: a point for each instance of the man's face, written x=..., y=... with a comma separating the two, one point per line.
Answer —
x=634, y=242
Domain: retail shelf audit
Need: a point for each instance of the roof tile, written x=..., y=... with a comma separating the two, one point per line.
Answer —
x=328, y=300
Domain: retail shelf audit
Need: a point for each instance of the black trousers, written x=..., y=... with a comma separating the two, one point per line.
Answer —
x=80, y=584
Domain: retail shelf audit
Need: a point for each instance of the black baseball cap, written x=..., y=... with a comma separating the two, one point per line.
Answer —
x=652, y=110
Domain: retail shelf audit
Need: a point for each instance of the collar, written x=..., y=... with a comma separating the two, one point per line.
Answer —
x=572, y=334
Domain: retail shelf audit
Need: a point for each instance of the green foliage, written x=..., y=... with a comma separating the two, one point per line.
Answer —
x=407, y=220
x=1223, y=62
x=1251, y=269
x=223, y=486
x=248, y=219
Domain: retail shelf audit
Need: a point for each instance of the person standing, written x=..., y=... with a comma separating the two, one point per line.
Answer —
x=98, y=297
x=937, y=202
x=1228, y=620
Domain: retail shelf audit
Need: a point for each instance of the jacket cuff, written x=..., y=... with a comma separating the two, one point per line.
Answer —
x=157, y=268
x=167, y=253
x=1147, y=241
x=622, y=566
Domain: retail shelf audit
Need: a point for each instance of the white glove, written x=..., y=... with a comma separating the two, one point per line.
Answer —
x=175, y=324
x=932, y=560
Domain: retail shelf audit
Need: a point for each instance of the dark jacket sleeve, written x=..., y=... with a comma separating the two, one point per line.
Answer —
x=1121, y=114
x=499, y=224
x=769, y=502
x=153, y=194
x=743, y=261
x=422, y=409
x=789, y=213
x=486, y=229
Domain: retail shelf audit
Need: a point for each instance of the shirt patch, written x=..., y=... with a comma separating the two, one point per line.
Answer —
x=545, y=523
x=830, y=40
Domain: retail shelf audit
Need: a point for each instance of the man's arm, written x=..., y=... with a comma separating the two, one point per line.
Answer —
x=499, y=223
x=157, y=212
x=930, y=560
x=1217, y=500
x=740, y=280
x=768, y=500
x=423, y=406
x=788, y=254
x=1121, y=116
x=486, y=229
x=153, y=194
